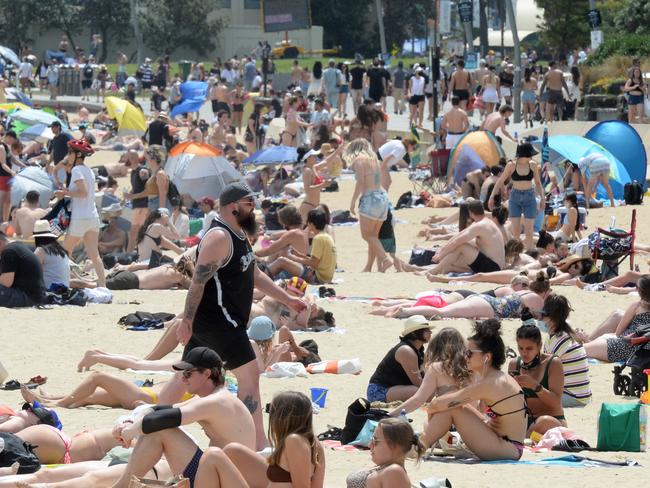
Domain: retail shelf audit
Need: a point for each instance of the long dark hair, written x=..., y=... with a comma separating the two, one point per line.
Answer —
x=50, y=246
x=487, y=336
x=557, y=308
x=575, y=74
x=318, y=70
x=151, y=218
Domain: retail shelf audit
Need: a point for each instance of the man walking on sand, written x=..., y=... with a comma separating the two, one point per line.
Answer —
x=219, y=300
x=478, y=249
x=454, y=123
x=554, y=83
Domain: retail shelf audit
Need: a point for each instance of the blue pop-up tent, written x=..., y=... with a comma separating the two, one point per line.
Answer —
x=193, y=95
x=573, y=148
x=625, y=143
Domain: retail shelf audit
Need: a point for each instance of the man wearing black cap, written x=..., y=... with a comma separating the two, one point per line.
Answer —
x=213, y=407
x=219, y=300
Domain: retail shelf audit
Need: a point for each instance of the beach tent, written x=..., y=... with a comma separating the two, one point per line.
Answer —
x=130, y=119
x=473, y=151
x=15, y=95
x=9, y=55
x=193, y=95
x=199, y=169
x=625, y=143
x=30, y=117
x=572, y=148
x=32, y=178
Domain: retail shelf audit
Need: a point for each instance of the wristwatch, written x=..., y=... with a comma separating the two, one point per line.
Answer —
x=538, y=388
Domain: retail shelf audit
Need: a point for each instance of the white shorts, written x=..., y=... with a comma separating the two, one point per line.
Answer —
x=505, y=91
x=490, y=95
x=79, y=227
x=451, y=140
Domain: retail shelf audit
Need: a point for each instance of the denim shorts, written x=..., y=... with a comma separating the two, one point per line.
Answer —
x=374, y=205
x=522, y=202
x=376, y=393
x=635, y=100
x=569, y=401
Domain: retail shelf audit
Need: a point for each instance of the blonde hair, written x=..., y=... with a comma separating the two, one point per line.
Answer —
x=358, y=148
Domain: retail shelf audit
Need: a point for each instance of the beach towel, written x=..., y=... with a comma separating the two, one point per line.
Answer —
x=342, y=366
x=337, y=446
x=570, y=461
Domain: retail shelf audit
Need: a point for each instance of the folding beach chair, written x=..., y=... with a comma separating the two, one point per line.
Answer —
x=613, y=246
x=432, y=176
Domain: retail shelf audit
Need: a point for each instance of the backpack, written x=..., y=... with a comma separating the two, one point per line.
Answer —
x=15, y=450
x=88, y=71
x=633, y=193
x=172, y=192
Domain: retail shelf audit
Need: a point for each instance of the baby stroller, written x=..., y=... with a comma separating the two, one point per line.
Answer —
x=635, y=383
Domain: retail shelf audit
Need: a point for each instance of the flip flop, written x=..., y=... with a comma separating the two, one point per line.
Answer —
x=11, y=385
x=38, y=380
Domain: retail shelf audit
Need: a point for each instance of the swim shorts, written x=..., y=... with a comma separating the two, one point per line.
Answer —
x=483, y=264
x=555, y=96
x=123, y=280
x=192, y=467
x=461, y=94
x=231, y=343
x=376, y=393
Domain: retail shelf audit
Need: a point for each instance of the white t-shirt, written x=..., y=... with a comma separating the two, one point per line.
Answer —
x=83, y=208
x=393, y=148
x=207, y=221
x=417, y=85
x=25, y=70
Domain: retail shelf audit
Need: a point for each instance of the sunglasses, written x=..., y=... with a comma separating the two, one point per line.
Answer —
x=187, y=373
x=470, y=352
x=247, y=202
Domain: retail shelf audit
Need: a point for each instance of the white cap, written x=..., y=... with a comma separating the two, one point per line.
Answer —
x=312, y=152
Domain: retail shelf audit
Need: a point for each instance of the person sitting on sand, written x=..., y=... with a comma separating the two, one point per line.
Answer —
x=261, y=333
x=399, y=374
x=499, y=431
x=51, y=254
x=319, y=266
x=28, y=214
x=297, y=459
x=486, y=306
x=215, y=408
x=53, y=446
x=541, y=378
x=293, y=237
x=478, y=248
x=157, y=233
x=392, y=441
x=617, y=347
x=562, y=341
x=445, y=370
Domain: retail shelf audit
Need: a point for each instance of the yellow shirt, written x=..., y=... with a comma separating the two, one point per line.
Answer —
x=322, y=247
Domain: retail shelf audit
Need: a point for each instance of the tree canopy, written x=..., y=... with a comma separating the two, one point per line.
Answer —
x=564, y=25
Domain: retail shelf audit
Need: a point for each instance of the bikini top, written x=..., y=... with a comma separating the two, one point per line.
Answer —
x=492, y=414
x=276, y=474
x=157, y=240
x=519, y=177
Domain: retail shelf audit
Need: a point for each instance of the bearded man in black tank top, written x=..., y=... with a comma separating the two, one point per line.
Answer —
x=219, y=300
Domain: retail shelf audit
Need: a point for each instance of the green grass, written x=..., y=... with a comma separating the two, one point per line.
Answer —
x=281, y=65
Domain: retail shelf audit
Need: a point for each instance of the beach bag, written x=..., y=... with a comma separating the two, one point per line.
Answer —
x=175, y=482
x=421, y=257
x=633, y=193
x=405, y=200
x=358, y=412
x=622, y=427
x=15, y=450
x=342, y=217
x=364, y=437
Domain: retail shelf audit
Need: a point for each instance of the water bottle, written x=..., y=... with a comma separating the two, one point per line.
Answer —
x=612, y=222
x=516, y=137
x=402, y=415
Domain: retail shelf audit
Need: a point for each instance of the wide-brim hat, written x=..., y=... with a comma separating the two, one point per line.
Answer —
x=415, y=322
x=42, y=229
x=567, y=262
x=326, y=149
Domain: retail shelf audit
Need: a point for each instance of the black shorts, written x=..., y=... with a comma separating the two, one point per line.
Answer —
x=231, y=343
x=123, y=280
x=146, y=85
x=238, y=107
x=415, y=99
x=140, y=203
x=483, y=264
x=86, y=84
x=218, y=106
x=461, y=94
x=428, y=95
x=375, y=96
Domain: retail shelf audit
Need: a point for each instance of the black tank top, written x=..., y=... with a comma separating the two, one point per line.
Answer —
x=8, y=157
x=137, y=186
x=227, y=298
x=390, y=372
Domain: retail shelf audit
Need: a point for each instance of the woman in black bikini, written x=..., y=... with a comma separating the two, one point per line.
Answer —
x=541, y=377
x=298, y=458
x=156, y=234
x=502, y=439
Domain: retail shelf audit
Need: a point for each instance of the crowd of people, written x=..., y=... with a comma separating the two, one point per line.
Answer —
x=247, y=281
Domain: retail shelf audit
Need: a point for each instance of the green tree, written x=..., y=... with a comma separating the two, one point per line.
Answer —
x=18, y=20
x=633, y=17
x=349, y=24
x=110, y=19
x=62, y=15
x=170, y=24
x=564, y=25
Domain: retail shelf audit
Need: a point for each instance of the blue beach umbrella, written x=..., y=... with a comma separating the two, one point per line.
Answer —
x=273, y=155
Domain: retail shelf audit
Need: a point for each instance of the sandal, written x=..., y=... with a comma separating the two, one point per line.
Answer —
x=331, y=434
x=38, y=380
x=11, y=385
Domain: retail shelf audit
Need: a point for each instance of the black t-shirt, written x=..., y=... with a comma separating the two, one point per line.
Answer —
x=157, y=132
x=506, y=79
x=28, y=274
x=58, y=147
x=391, y=373
x=157, y=99
x=88, y=72
x=7, y=160
x=356, y=75
x=130, y=95
x=375, y=81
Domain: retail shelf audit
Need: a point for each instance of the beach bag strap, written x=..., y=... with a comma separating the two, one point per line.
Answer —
x=619, y=427
x=175, y=482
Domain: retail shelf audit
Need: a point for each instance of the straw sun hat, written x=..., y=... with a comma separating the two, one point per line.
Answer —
x=416, y=322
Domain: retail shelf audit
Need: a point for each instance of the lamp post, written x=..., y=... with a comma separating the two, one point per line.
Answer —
x=266, y=54
x=516, y=89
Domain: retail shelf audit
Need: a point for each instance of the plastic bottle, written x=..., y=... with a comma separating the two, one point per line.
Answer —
x=402, y=415
x=516, y=137
x=612, y=222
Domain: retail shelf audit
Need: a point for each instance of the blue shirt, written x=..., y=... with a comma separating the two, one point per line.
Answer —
x=250, y=71
x=330, y=79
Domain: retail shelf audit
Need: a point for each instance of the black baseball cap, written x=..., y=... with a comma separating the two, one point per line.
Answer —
x=235, y=192
x=199, y=357
x=56, y=122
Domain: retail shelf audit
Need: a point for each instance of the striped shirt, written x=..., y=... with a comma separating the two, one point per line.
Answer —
x=574, y=362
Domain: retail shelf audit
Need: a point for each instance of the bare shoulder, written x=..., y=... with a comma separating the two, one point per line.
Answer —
x=394, y=474
x=296, y=443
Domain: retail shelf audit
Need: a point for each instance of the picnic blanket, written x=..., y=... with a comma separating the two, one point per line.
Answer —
x=569, y=461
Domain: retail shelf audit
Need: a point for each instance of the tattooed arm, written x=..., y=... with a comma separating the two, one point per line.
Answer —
x=470, y=394
x=214, y=249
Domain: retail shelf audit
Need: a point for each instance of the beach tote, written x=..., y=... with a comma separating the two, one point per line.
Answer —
x=15, y=450
x=364, y=437
x=622, y=427
x=175, y=482
x=358, y=412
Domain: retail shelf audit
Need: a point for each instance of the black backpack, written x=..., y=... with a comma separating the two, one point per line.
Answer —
x=633, y=193
x=18, y=451
x=172, y=192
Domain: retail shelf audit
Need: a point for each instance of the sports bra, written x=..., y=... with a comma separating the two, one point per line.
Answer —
x=277, y=474
x=529, y=392
x=519, y=177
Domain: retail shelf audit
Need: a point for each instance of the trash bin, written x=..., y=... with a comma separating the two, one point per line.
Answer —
x=185, y=67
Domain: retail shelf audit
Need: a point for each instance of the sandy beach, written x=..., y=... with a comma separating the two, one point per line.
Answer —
x=51, y=342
